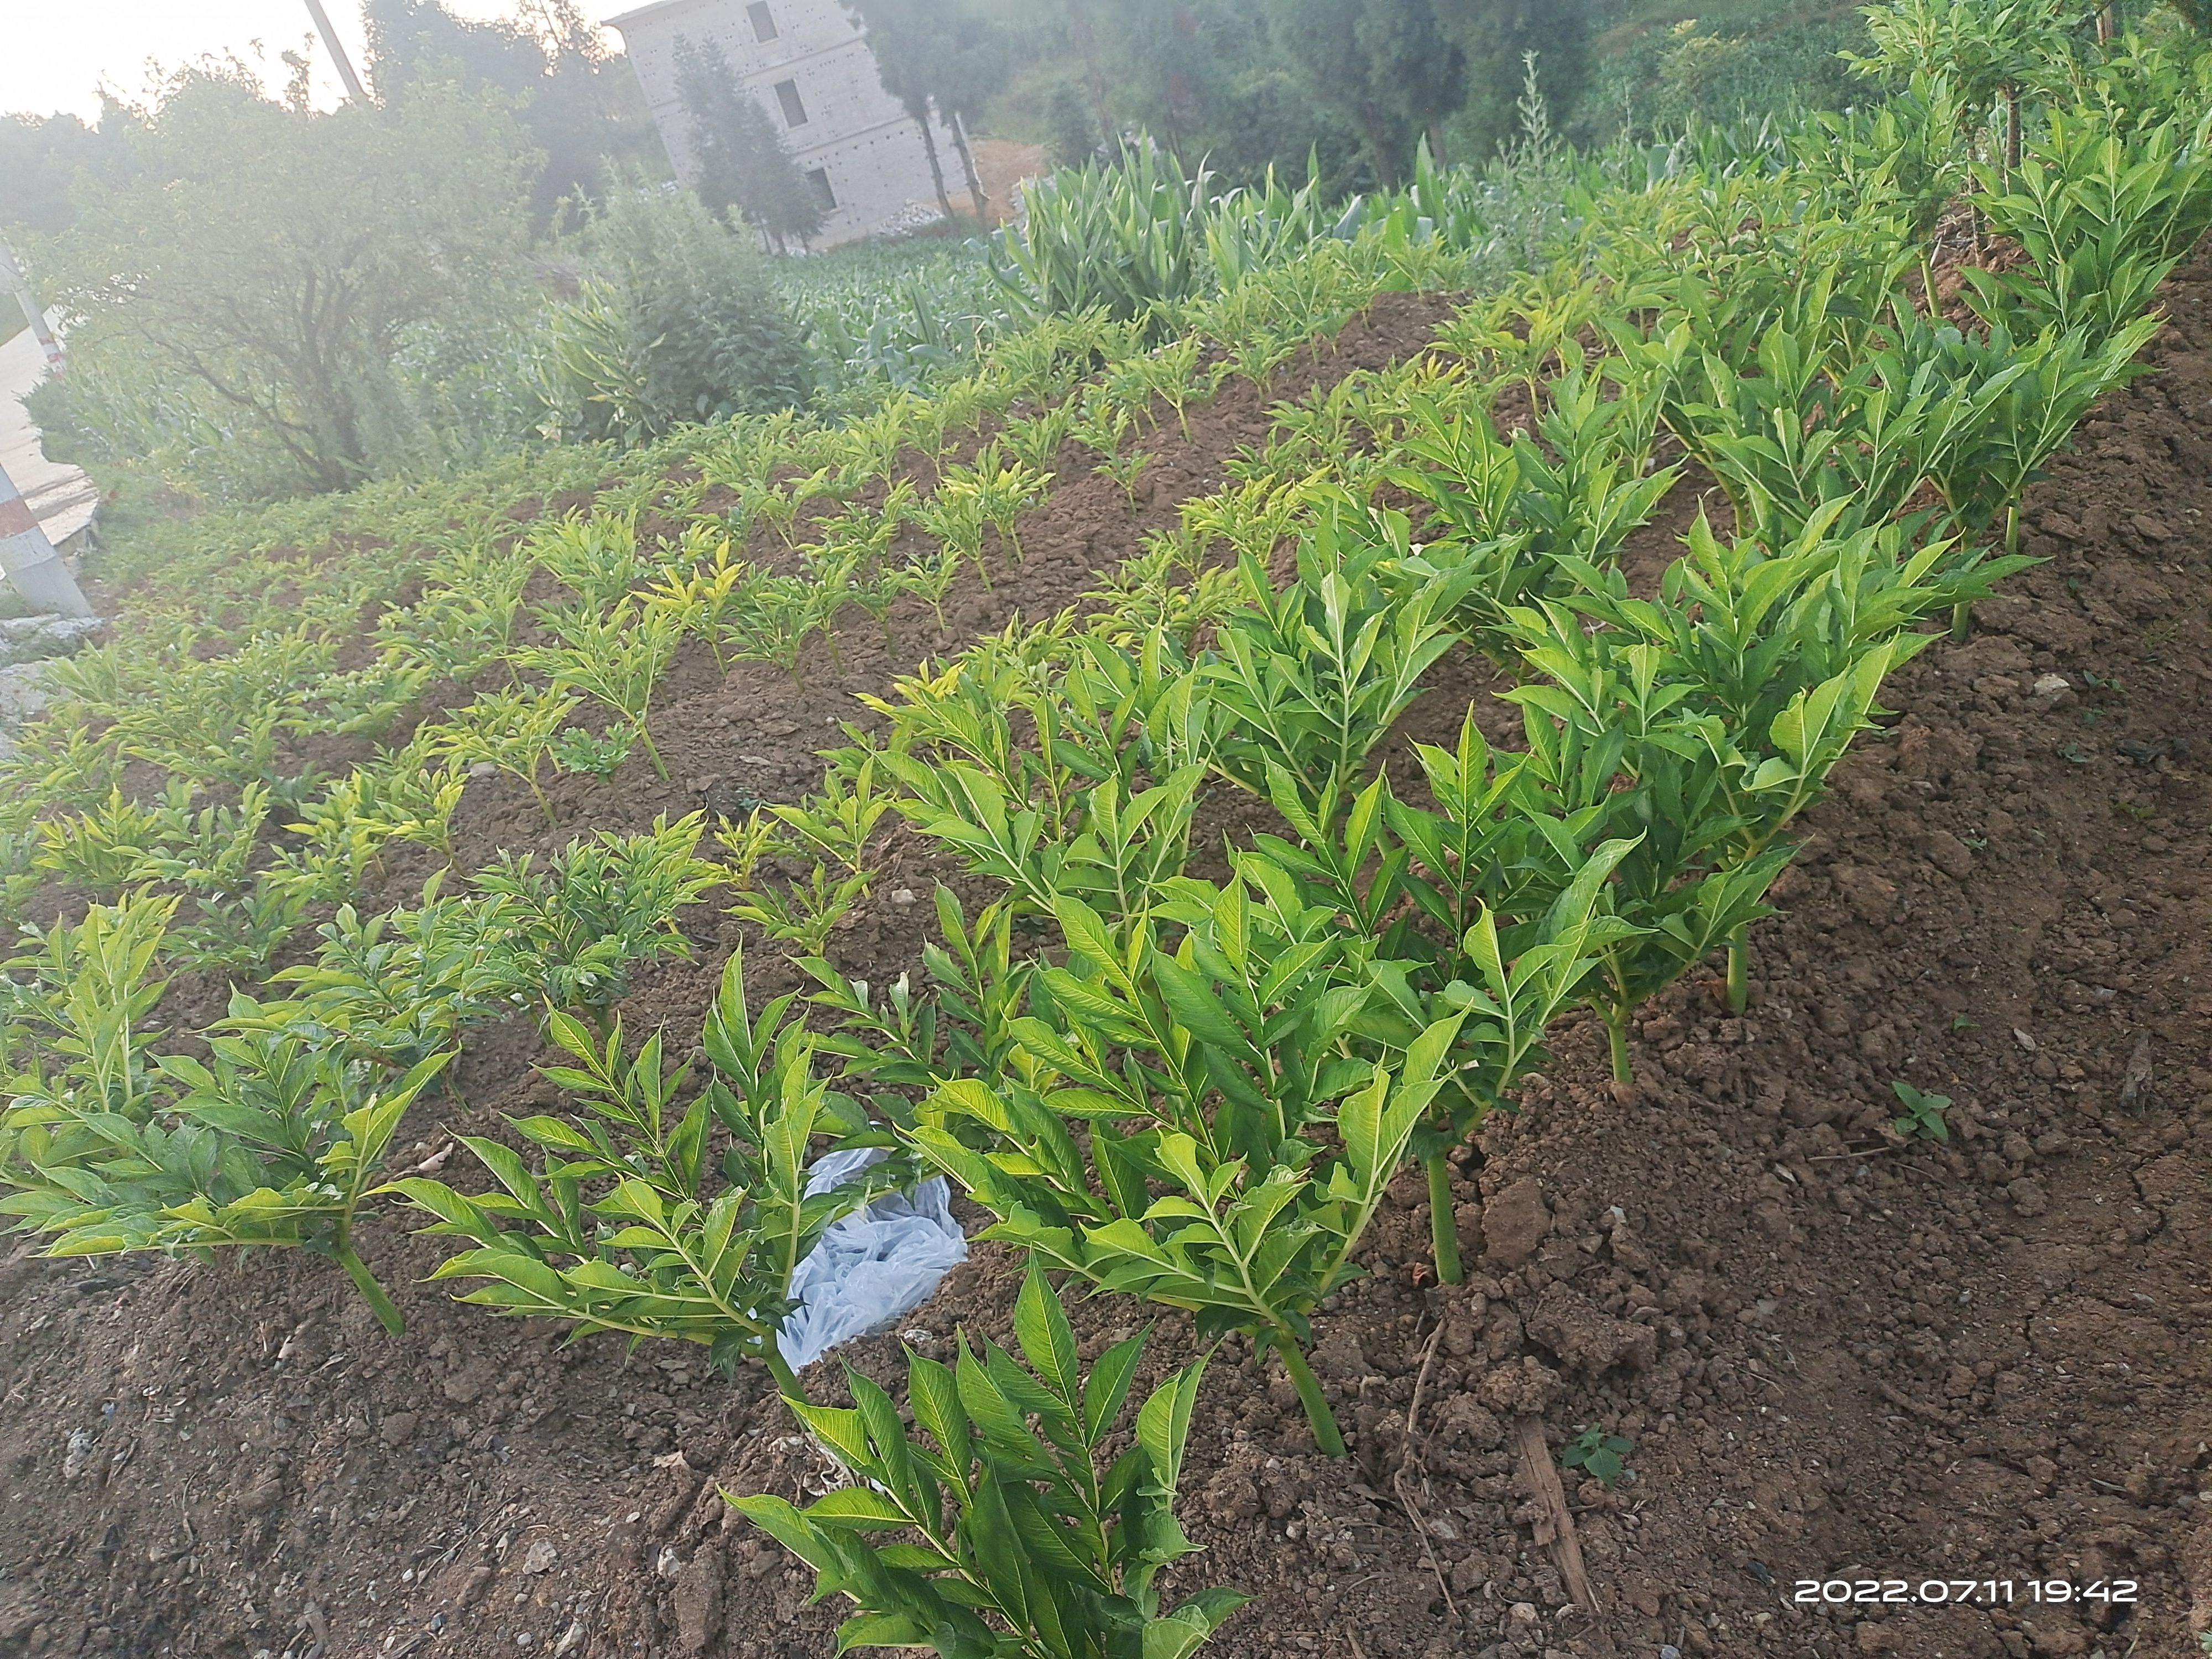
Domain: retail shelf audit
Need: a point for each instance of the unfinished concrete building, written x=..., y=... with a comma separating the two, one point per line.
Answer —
x=810, y=66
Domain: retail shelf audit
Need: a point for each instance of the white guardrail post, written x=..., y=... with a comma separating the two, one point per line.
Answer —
x=28, y=560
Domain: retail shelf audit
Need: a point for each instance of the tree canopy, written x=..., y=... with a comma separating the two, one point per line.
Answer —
x=277, y=259
x=744, y=166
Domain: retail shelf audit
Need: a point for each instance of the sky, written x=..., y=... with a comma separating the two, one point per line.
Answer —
x=57, y=54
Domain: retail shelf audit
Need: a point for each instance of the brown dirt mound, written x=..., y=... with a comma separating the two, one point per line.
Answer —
x=1839, y=1359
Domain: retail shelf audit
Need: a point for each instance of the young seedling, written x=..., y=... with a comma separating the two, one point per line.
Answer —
x=601, y=756
x=1016, y=1538
x=930, y=577
x=511, y=730
x=1924, y=1114
x=1600, y=1455
x=615, y=657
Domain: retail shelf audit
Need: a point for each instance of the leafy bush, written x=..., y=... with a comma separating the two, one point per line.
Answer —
x=1238, y=1138
x=619, y=1228
x=106, y=1149
x=1017, y=1522
x=679, y=321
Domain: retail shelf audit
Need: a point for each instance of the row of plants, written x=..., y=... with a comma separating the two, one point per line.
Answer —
x=1168, y=1071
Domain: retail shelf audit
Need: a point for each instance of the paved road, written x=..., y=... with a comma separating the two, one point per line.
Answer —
x=63, y=499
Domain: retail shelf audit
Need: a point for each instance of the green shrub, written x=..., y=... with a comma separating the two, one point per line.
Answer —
x=679, y=320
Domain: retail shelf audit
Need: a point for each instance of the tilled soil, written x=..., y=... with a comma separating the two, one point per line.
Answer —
x=1841, y=1360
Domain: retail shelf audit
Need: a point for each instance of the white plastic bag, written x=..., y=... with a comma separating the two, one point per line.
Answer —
x=872, y=1265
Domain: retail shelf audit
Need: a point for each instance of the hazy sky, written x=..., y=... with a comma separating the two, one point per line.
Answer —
x=57, y=54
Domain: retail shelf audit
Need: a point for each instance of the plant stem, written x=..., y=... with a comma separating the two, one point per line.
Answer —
x=1327, y=1435
x=1616, y=1034
x=1444, y=1226
x=371, y=1291
x=651, y=753
x=787, y=1380
x=1962, y=620
x=1739, y=968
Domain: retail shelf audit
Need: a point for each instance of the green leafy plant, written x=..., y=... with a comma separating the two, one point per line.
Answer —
x=105, y=1149
x=512, y=729
x=1020, y=1540
x=2103, y=213
x=598, y=754
x=1924, y=1114
x=1239, y=1136
x=1311, y=678
x=1598, y=1454
x=571, y=933
x=627, y=1224
x=615, y=657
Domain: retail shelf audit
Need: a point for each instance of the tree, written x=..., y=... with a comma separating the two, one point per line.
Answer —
x=937, y=57
x=277, y=259
x=41, y=158
x=972, y=63
x=578, y=103
x=1495, y=38
x=744, y=166
x=1386, y=66
x=1211, y=81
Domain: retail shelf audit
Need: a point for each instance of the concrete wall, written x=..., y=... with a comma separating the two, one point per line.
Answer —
x=854, y=131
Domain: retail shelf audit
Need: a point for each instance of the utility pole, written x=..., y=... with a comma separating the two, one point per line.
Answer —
x=12, y=275
x=28, y=561
x=354, y=89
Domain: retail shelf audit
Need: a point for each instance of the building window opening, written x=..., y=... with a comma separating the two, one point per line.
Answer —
x=819, y=178
x=794, y=111
x=763, y=21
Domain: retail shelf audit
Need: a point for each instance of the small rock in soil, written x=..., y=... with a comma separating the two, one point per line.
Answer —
x=1524, y=1389
x=1515, y=1224
x=1584, y=1336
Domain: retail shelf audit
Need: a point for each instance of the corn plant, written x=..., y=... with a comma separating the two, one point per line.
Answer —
x=628, y=1224
x=105, y=1149
x=615, y=658
x=1018, y=1538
